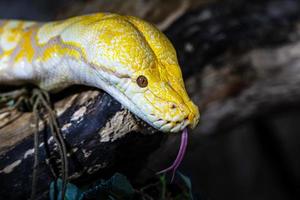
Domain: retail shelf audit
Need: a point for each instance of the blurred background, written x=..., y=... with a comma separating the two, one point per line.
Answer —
x=241, y=64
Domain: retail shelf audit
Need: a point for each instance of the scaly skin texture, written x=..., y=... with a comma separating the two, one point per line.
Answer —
x=103, y=50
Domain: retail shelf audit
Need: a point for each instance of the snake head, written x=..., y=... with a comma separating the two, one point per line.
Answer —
x=138, y=66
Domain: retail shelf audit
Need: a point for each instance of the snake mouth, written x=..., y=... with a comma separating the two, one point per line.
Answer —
x=171, y=126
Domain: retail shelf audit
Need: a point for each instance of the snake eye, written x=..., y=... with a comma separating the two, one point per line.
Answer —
x=142, y=81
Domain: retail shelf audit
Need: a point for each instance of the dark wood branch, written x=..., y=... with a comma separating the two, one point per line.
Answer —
x=92, y=123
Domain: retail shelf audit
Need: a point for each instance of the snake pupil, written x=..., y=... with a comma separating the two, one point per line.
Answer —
x=142, y=81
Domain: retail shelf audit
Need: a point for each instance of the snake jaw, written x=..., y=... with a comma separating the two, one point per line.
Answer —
x=177, y=128
x=172, y=126
x=181, y=126
x=159, y=123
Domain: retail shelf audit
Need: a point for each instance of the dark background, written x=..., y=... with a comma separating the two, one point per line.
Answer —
x=251, y=156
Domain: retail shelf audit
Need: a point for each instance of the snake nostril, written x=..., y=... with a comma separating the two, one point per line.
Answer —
x=173, y=106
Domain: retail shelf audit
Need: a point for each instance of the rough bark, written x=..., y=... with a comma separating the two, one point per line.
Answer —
x=98, y=132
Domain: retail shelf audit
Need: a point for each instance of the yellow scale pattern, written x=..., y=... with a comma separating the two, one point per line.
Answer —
x=108, y=51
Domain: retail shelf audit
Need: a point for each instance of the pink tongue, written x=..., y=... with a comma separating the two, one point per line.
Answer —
x=180, y=155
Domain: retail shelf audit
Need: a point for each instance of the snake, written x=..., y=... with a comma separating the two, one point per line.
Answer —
x=125, y=56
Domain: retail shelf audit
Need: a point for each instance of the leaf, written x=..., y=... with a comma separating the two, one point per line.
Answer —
x=72, y=192
x=163, y=185
x=117, y=187
x=187, y=182
x=120, y=186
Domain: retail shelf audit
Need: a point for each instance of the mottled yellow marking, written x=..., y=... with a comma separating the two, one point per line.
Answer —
x=74, y=45
x=14, y=32
x=57, y=50
x=121, y=49
x=6, y=53
x=11, y=35
x=26, y=49
x=54, y=29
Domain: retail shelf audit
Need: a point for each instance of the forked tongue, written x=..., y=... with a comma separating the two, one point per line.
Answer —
x=180, y=155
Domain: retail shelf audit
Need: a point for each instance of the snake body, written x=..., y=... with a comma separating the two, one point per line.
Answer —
x=125, y=56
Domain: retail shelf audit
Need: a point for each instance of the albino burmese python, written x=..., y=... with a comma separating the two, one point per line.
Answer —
x=125, y=56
